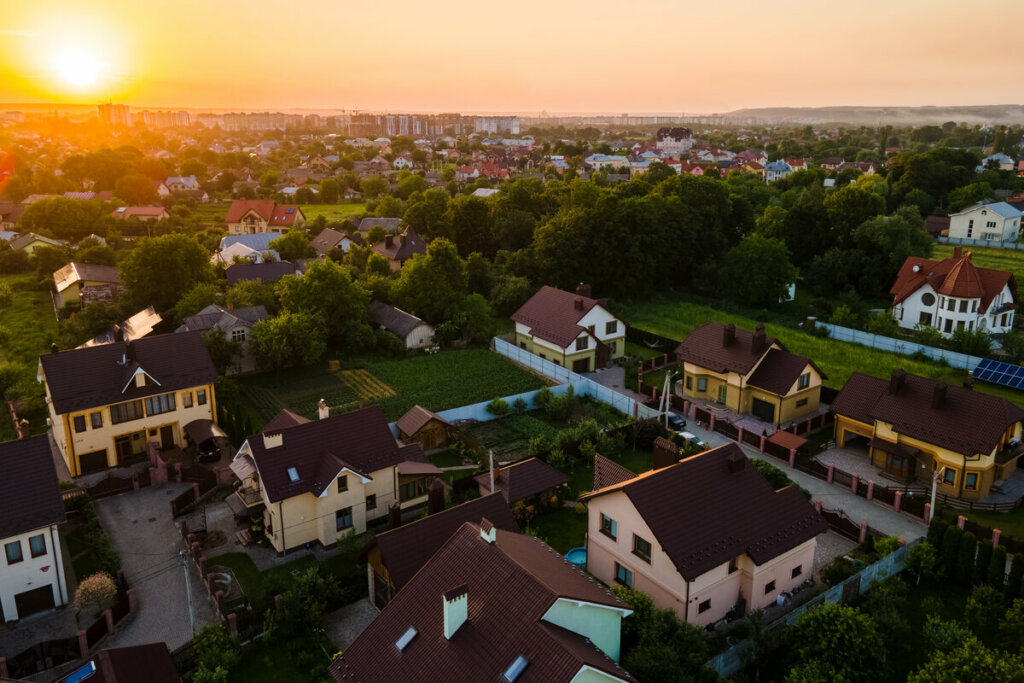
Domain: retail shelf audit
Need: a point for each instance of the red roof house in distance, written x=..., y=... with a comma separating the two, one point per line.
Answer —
x=142, y=213
x=492, y=605
x=252, y=216
x=954, y=294
x=571, y=330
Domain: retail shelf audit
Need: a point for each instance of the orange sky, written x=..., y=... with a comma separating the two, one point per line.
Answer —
x=560, y=55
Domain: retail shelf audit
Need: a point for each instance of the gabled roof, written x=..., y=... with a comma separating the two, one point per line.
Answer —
x=552, y=315
x=218, y=316
x=329, y=238
x=607, y=472
x=258, y=242
x=709, y=508
x=29, y=492
x=139, y=211
x=74, y=272
x=360, y=441
x=403, y=247
x=268, y=271
x=523, y=479
x=779, y=370
x=95, y=376
x=510, y=585
x=1001, y=209
x=706, y=348
x=285, y=215
x=414, y=420
x=394, y=319
x=966, y=422
x=264, y=208
x=956, y=276
x=22, y=241
x=406, y=549
x=284, y=419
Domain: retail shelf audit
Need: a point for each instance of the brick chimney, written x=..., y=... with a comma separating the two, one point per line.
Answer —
x=938, y=395
x=736, y=462
x=728, y=334
x=758, y=341
x=578, y=303
x=957, y=251
x=394, y=514
x=389, y=240
x=583, y=290
x=896, y=381
x=322, y=410
x=435, y=497
x=456, y=609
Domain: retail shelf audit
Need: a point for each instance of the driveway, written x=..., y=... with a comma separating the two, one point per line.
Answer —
x=172, y=602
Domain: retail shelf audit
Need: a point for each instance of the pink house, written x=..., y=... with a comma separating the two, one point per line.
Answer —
x=701, y=536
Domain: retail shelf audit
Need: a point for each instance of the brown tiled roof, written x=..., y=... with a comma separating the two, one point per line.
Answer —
x=285, y=215
x=523, y=479
x=264, y=208
x=284, y=419
x=360, y=441
x=151, y=663
x=29, y=493
x=408, y=547
x=552, y=315
x=779, y=371
x=966, y=422
x=787, y=439
x=705, y=347
x=510, y=585
x=414, y=420
x=403, y=247
x=705, y=511
x=94, y=376
x=268, y=271
x=607, y=472
x=329, y=238
x=956, y=277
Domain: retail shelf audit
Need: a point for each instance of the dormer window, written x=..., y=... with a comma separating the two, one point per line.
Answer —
x=343, y=483
x=293, y=475
x=516, y=668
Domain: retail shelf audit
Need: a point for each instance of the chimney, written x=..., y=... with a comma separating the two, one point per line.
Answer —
x=728, y=334
x=456, y=609
x=273, y=440
x=435, y=497
x=957, y=251
x=938, y=395
x=118, y=333
x=736, y=462
x=401, y=238
x=896, y=381
x=758, y=341
x=322, y=410
x=578, y=303
x=665, y=453
x=389, y=240
x=583, y=290
x=394, y=514
x=487, y=531
x=969, y=382
x=130, y=353
x=54, y=348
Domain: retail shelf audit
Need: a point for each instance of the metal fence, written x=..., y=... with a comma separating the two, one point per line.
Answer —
x=957, y=360
x=980, y=243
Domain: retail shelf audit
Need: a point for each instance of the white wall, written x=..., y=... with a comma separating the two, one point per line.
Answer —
x=29, y=574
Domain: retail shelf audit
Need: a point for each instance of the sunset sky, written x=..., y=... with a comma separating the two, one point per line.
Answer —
x=612, y=56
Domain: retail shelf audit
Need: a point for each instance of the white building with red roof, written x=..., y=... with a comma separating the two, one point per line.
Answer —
x=253, y=216
x=954, y=294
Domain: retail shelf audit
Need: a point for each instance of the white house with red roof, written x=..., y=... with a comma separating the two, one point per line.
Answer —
x=253, y=216
x=571, y=330
x=954, y=294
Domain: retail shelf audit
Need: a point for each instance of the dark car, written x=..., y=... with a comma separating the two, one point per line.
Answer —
x=676, y=422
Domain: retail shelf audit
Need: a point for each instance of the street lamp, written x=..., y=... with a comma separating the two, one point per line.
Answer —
x=935, y=482
x=666, y=401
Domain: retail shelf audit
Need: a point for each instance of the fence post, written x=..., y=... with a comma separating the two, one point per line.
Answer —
x=961, y=521
x=996, y=533
x=927, y=513
x=132, y=604
x=863, y=531
x=83, y=643
x=109, y=615
x=898, y=501
x=3, y=667
x=792, y=457
x=817, y=506
x=871, y=489
x=739, y=434
x=711, y=422
x=854, y=483
x=763, y=439
x=831, y=474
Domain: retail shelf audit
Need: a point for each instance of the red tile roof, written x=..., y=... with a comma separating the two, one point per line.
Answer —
x=554, y=314
x=414, y=420
x=264, y=208
x=706, y=348
x=953, y=276
x=523, y=479
x=285, y=215
x=714, y=506
x=510, y=586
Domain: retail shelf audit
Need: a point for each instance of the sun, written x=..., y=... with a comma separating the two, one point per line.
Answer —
x=78, y=68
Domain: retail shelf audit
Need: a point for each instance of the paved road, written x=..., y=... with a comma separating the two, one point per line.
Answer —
x=141, y=527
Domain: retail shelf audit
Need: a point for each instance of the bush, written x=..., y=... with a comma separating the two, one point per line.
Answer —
x=519, y=406
x=922, y=559
x=539, y=445
x=95, y=591
x=497, y=407
x=838, y=570
x=776, y=477
x=984, y=610
x=887, y=546
x=948, y=551
x=558, y=459
x=1012, y=591
x=981, y=563
x=936, y=530
x=997, y=568
x=944, y=635
x=965, y=557
x=542, y=397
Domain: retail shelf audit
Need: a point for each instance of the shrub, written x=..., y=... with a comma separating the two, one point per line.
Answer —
x=981, y=562
x=838, y=570
x=519, y=406
x=944, y=635
x=539, y=445
x=558, y=459
x=776, y=477
x=948, y=551
x=497, y=407
x=1016, y=576
x=922, y=559
x=936, y=530
x=965, y=557
x=95, y=591
x=887, y=546
x=984, y=610
x=997, y=568
x=542, y=397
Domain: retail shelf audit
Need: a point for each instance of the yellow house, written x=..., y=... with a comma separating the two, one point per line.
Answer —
x=748, y=372
x=317, y=481
x=74, y=278
x=571, y=330
x=914, y=426
x=31, y=241
x=107, y=402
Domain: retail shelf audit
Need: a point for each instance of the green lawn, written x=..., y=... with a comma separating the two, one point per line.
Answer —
x=269, y=661
x=260, y=587
x=675, y=319
x=562, y=529
x=446, y=459
x=1010, y=523
x=211, y=214
x=988, y=257
x=333, y=212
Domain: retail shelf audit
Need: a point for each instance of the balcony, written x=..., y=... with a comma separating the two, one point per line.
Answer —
x=245, y=501
x=1009, y=452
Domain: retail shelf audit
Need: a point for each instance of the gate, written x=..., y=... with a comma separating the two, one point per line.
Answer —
x=111, y=486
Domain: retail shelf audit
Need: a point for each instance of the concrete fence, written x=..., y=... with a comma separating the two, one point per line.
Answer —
x=980, y=243
x=957, y=360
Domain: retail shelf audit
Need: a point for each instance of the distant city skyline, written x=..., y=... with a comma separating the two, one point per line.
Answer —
x=566, y=58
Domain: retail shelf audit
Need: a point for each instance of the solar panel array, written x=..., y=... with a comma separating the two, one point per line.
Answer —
x=997, y=372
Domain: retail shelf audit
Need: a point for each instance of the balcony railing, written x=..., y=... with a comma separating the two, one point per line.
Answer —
x=250, y=496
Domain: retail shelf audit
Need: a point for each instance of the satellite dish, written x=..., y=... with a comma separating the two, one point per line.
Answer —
x=917, y=269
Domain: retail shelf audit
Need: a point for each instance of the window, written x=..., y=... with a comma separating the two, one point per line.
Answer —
x=581, y=344
x=96, y=419
x=343, y=483
x=201, y=397
x=689, y=383
x=704, y=607
x=769, y=587
x=963, y=305
x=1003, y=320
x=371, y=502
x=801, y=403
x=949, y=326
x=238, y=335
x=609, y=527
x=732, y=565
x=37, y=545
x=970, y=228
x=804, y=381
x=990, y=224
x=343, y=518
x=949, y=476
x=928, y=299
x=611, y=327
x=157, y=405
x=623, y=575
x=925, y=318
x=950, y=304
x=971, y=481
x=13, y=550
x=413, y=489
x=293, y=474
x=79, y=421
x=186, y=399
x=797, y=571
x=702, y=384
x=642, y=548
x=127, y=412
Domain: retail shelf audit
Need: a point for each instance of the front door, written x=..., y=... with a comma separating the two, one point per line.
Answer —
x=897, y=465
x=581, y=365
x=763, y=410
x=167, y=437
x=723, y=393
x=123, y=447
x=36, y=600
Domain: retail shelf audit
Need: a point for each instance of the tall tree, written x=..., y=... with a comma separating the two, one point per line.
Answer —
x=160, y=270
x=327, y=289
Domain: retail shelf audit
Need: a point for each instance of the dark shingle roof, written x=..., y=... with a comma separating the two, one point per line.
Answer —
x=394, y=319
x=706, y=347
x=779, y=371
x=523, y=479
x=712, y=507
x=94, y=376
x=151, y=663
x=403, y=247
x=607, y=472
x=284, y=419
x=510, y=586
x=29, y=493
x=552, y=315
x=318, y=450
x=408, y=547
x=268, y=271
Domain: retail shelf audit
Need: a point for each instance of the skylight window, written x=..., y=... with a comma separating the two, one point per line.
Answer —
x=406, y=638
x=293, y=474
x=516, y=668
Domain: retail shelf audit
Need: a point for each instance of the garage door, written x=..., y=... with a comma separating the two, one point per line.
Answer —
x=581, y=365
x=92, y=462
x=37, y=600
x=763, y=410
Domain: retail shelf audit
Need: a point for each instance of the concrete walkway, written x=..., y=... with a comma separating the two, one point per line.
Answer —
x=344, y=625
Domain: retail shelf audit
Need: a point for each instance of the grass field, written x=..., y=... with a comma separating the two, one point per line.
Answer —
x=988, y=257
x=676, y=319
x=333, y=212
x=28, y=319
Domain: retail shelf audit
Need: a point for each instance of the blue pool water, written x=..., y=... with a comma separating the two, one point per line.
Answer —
x=577, y=556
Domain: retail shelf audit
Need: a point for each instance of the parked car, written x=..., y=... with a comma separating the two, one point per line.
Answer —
x=692, y=438
x=676, y=422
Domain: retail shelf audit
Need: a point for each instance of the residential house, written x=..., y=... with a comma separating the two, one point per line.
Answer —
x=10, y=212
x=254, y=216
x=830, y=164
x=705, y=537
x=914, y=427
x=414, y=333
x=245, y=248
x=318, y=164
x=79, y=282
x=776, y=170
x=485, y=192
x=332, y=239
x=267, y=271
x=425, y=427
x=677, y=140
x=7, y=235
x=954, y=294
x=748, y=372
x=398, y=249
x=936, y=225
x=142, y=213
x=989, y=221
x=522, y=480
x=31, y=241
x=600, y=162
x=865, y=167
x=511, y=609
x=403, y=161
x=182, y=183
x=797, y=164
x=151, y=662
x=32, y=577
x=393, y=557
x=107, y=402
x=1001, y=161
x=236, y=323
x=135, y=327
x=318, y=480
x=161, y=189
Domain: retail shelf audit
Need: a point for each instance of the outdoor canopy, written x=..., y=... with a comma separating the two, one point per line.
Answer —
x=201, y=430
